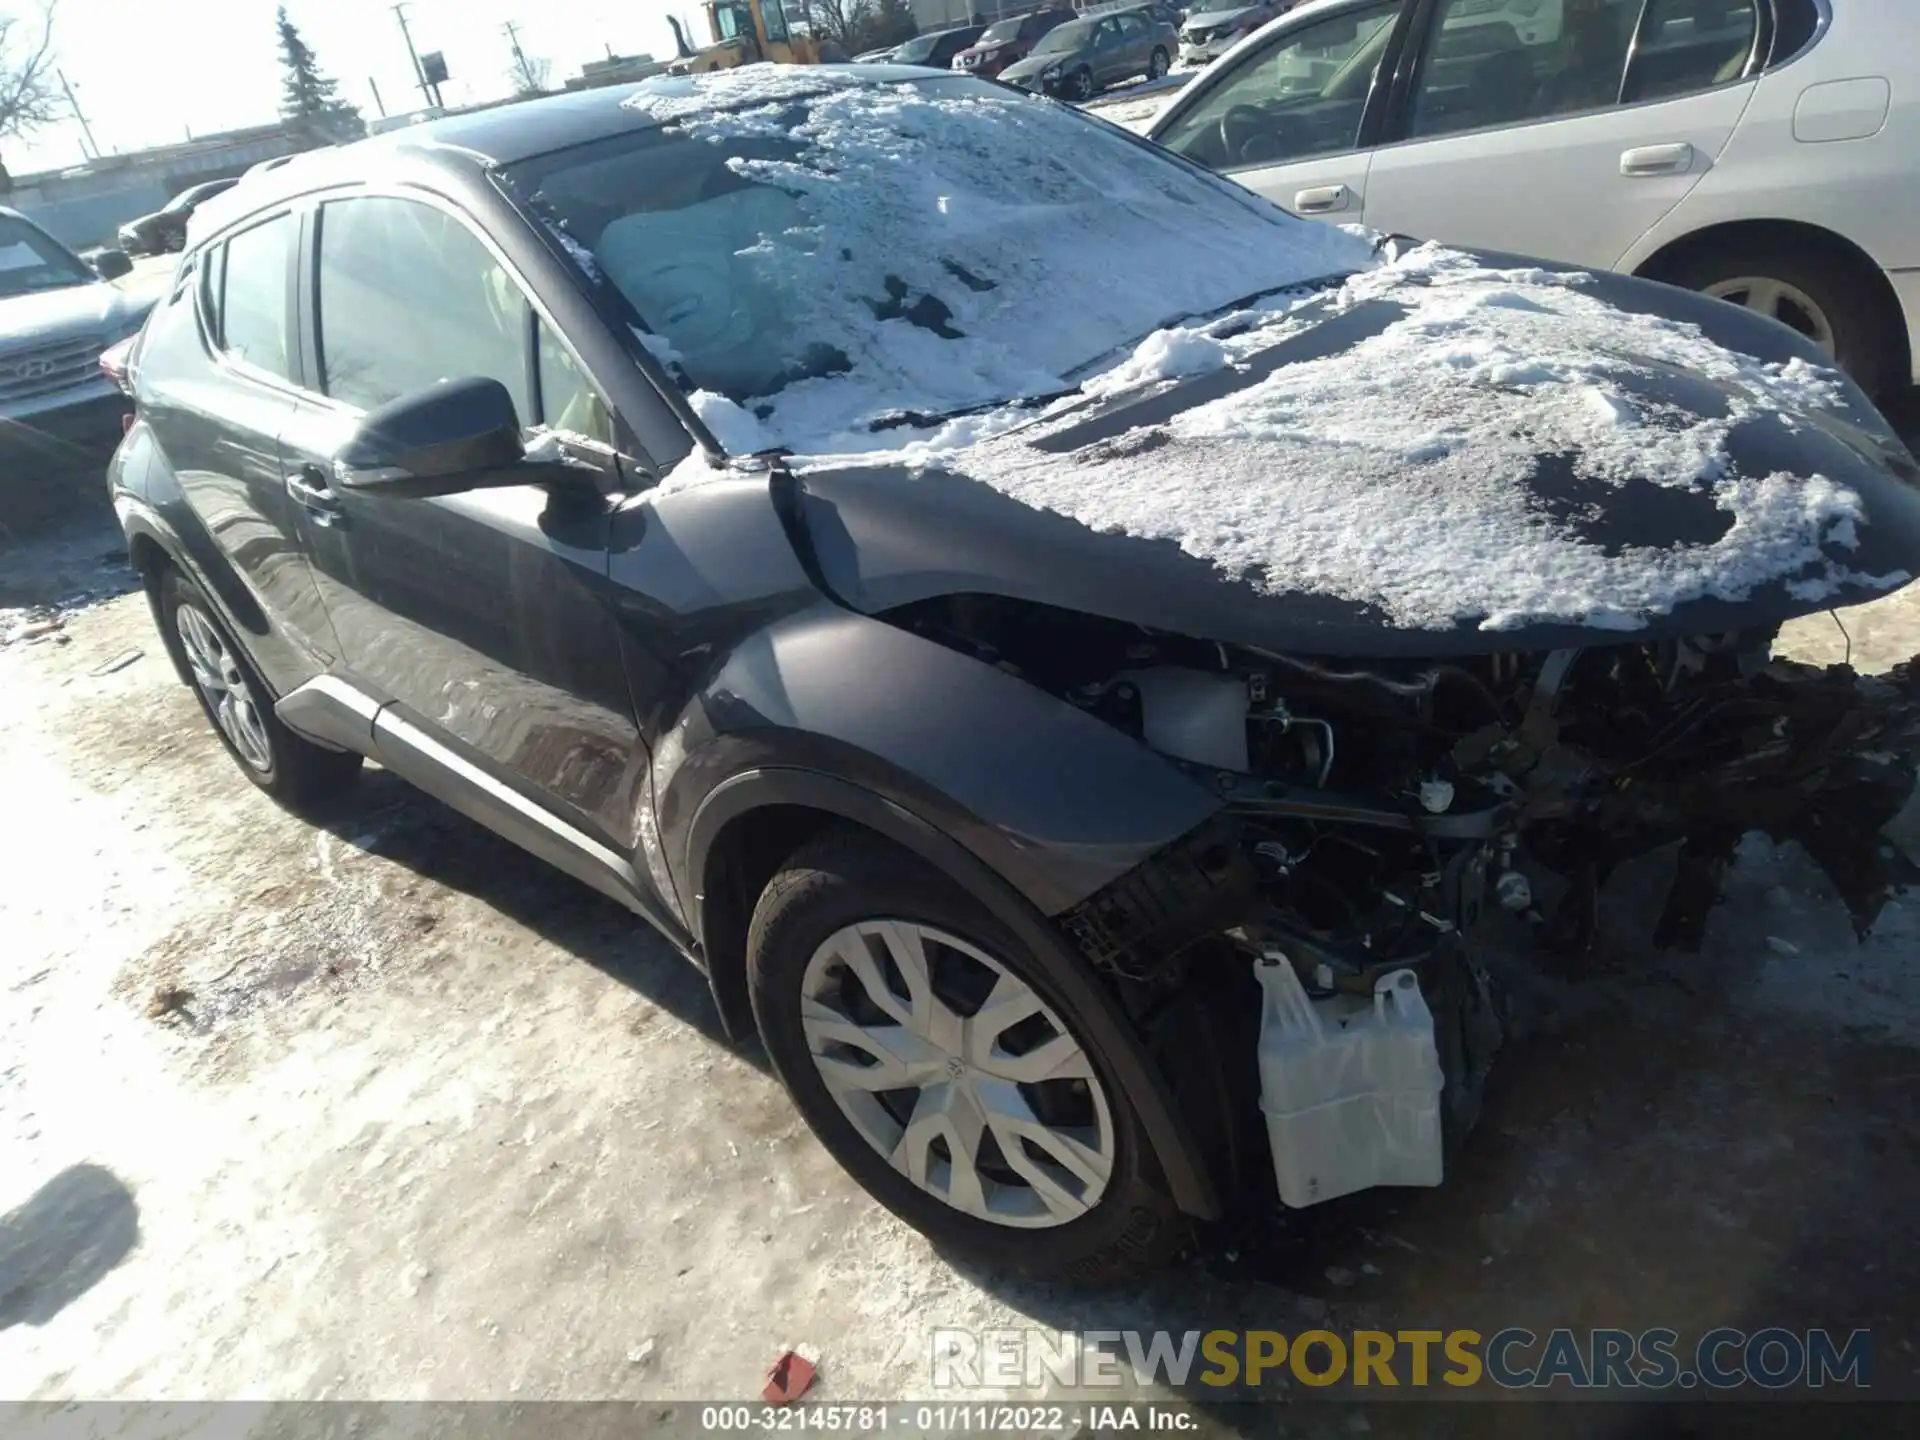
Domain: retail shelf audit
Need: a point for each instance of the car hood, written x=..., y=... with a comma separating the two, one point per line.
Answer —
x=1028, y=66
x=1214, y=19
x=1746, y=489
x=73, y=311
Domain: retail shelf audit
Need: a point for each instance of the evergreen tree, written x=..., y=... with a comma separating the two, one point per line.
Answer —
x=309, y=100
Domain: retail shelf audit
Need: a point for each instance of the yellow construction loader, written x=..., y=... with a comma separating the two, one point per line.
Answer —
x=744, y=31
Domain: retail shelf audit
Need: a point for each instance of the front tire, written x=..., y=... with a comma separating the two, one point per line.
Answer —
x=926, y=1049
x=294, y=771
x=1080, y=86
x=1811, y=290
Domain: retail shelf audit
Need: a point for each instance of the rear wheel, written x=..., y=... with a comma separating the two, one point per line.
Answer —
x=925, y=1048
x=1157, y=64
x=1809, y=289
x=296, y=772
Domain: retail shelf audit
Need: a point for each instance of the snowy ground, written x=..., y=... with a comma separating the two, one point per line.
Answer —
x=1134, y=106
x=386, y=1109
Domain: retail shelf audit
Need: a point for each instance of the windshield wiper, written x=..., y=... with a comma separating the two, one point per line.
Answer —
x=924, y=420
x=1125, y=347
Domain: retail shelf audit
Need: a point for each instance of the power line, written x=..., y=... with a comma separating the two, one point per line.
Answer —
x=79, y=115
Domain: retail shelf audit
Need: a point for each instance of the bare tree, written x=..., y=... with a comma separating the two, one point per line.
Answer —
x=29, y=88
x=528, y=73
x=839, y=20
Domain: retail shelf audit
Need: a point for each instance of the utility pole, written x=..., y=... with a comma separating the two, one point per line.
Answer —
x=85, y=129
x=419, y=75
x=378, y=103
x=521, y=68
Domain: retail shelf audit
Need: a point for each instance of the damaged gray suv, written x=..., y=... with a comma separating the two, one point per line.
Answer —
x=1099, y=673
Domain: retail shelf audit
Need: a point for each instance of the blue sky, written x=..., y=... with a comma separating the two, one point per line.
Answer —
x=147, y=71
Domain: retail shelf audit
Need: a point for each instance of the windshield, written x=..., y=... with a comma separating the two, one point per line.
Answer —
x=1066, y=37
x=826, y=259
x=1000, y=32
x=31, y=260
x=917, y=49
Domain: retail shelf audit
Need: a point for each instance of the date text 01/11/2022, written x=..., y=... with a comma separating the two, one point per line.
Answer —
x=943, y=1419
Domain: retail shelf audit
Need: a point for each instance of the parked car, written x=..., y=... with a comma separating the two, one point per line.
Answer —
x=1161, y=12
x=936, y=48
x=1076, y=60
x=1278, y=606
x=58, y=413
x=1209, y=31
x=166, y=228
x=1006, y=41
x=1758, y=150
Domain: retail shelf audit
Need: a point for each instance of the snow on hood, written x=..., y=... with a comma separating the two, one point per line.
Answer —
x=1396, y=472
x=1399, y=471
x=1019, y=243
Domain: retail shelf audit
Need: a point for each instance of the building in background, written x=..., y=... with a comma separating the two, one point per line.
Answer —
x=87, y=204
x=945, y=14
x=616, y=70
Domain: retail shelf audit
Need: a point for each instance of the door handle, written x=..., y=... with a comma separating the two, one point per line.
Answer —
x=317, y=500
x=1322, y=200
x=1657, y=160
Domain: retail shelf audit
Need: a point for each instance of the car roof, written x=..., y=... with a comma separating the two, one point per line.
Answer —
x=504, y=135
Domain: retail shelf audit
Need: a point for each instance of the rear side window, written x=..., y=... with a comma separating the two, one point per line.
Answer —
x=1508, y=62
x=409, y=297
x=1689, y=45
x=252, y=280
x=1795, y=22
x=1302, y=95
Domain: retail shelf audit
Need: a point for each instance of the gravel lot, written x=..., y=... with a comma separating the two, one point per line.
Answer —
x=386, y=1109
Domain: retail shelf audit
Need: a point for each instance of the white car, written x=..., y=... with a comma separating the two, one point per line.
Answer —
x=1764, y=151
x=1210, y=30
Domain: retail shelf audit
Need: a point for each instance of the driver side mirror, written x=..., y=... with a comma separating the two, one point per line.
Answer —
x=453, y=437
x=112, y=264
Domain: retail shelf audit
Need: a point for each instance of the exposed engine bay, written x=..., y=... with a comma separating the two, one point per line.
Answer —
x=1383, y=817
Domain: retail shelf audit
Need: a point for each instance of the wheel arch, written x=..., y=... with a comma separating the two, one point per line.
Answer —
x=749, y=824
x=150, y=548
x=1671, y=257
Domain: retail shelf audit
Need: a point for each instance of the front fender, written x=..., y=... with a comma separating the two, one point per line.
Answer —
x=1181, y=1162
x=1052, y=800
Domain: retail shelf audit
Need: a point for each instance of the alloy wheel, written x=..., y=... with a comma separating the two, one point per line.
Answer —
x=1157, y=65
x=220, y=680
x=1778, y=300
x=1083, y=84
x=956, y=1072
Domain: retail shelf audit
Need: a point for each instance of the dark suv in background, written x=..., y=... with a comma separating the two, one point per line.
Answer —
x=60, y=416
x=1006, y=41
x=936, y=48
x=166, y=228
